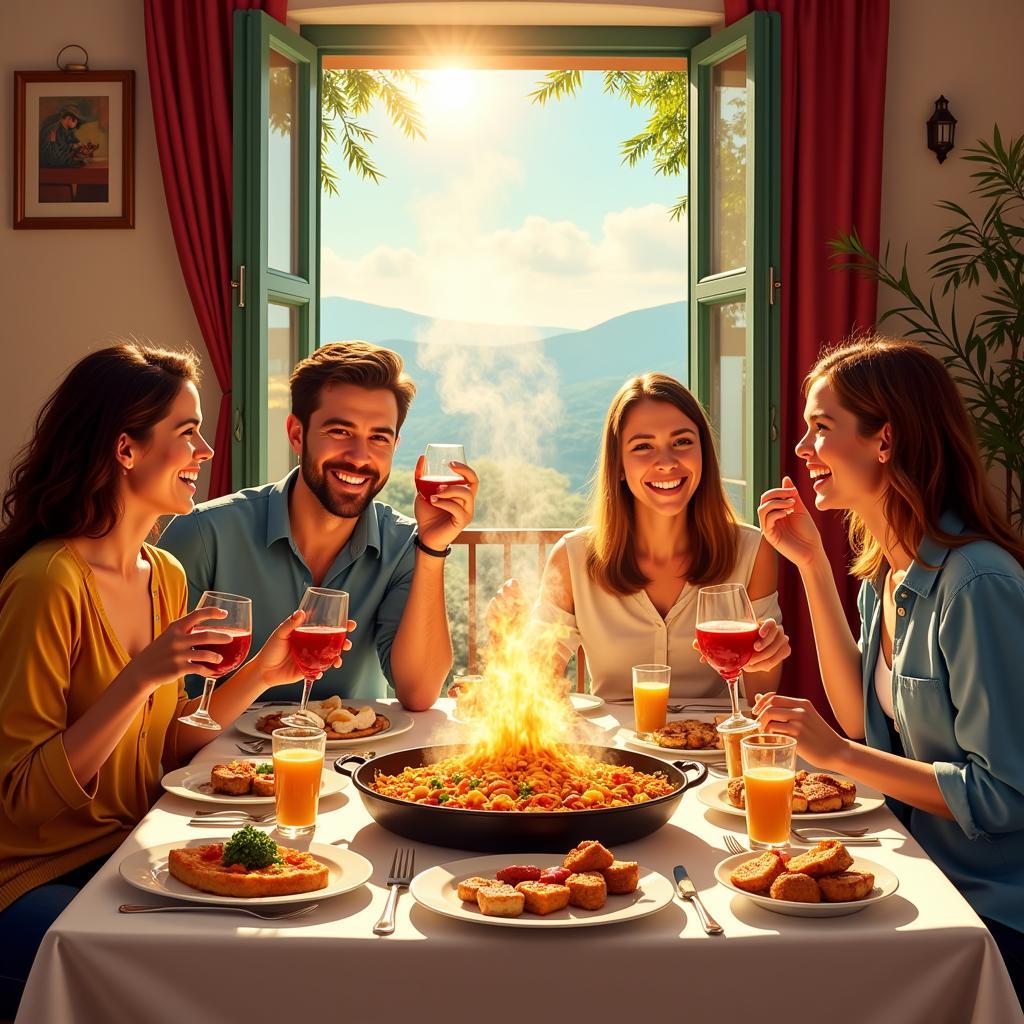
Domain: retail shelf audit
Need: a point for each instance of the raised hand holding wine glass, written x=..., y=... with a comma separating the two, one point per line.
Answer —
x=317, y=644
x=236, y=627
x=727, y=630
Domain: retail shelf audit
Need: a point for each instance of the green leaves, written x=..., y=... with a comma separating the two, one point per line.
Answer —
x=987, y=252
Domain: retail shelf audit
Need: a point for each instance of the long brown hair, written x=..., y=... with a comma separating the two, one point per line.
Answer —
x=611, y=544
x=935, y=464
x=63, y=483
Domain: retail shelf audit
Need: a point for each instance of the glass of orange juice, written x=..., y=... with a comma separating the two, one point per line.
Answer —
x=298, y=767
x=650, y=698
x=769, y=769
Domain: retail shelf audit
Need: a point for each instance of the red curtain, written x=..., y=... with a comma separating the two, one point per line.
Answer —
x=832, y=106
x=189, y=49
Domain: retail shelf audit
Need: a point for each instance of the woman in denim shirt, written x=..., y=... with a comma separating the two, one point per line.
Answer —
x=933, y=684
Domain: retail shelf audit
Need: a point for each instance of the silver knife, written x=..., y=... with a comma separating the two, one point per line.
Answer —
x=688, y=891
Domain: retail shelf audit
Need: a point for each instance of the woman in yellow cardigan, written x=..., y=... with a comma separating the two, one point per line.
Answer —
x=94, y=632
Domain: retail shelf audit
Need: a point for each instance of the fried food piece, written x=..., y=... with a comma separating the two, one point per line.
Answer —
x=622, y=877
x=587, y=890
x=846, y=886
x=736, y=794
x=469, y=887
x=234, y=778
x=827, y=858
x=821, y=798
x=846, y=789
x=500, y=901
x=687, y=734
x=590, y=855
x=758, y=873
x=268, y=723
x=799, y=802
x=542, y=898
x=380, y=724
x=795, y=888
x=202, y=867
x=263, y=785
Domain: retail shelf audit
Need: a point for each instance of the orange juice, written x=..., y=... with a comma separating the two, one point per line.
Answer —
x=769, y=796
x=650, y=704
x=297, y=782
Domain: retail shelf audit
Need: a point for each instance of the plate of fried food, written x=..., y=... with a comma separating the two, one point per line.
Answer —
x=250, y=869
x=696, y=736
x=823, y=882
x=586, y=887
x=815, y=795
x=236, y=782
x=347, y=722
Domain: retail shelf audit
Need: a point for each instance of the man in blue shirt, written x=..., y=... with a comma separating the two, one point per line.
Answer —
x=320, y=526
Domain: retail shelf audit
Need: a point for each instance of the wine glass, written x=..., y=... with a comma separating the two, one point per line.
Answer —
x=726, y=633
x=233, y=651
x=318, y=641
x=437, y=470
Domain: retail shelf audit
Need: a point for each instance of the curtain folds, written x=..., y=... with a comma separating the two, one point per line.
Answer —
x=189, y=50
x=832, y=113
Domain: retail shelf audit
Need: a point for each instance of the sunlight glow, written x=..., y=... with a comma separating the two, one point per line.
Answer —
x=447, y=91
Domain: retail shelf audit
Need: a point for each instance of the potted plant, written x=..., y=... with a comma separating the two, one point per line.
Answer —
x=984, y=356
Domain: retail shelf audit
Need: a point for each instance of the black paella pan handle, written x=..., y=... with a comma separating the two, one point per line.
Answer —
x=686, y=767
x=346, y=764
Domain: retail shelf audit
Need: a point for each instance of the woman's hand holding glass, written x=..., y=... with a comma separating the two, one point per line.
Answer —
x=787, y=524
x=180, y=649
x=771, y=649
x=816, y=740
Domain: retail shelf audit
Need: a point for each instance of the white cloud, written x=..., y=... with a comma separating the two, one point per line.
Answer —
x=541, y=272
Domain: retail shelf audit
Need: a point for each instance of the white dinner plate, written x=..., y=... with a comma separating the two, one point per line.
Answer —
x=585, y=703
x=712, y=794
x=193, y=783
x=399, y=719
x=886, y=883
x=711, y=754
x=147, y=870
x=437, y=890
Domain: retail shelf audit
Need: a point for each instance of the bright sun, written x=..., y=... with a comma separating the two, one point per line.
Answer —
x=447, y=91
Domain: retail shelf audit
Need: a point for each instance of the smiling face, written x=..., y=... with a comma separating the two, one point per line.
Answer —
x=348, y=447
x=162, y=471
x=661, y=456
x=847, y=469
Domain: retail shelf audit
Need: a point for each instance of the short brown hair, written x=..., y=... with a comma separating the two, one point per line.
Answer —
x=349, y=362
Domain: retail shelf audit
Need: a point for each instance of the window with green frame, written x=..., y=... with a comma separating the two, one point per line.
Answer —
x=733, y=212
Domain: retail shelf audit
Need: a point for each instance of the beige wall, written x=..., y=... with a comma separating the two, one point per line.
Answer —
x=66, y=292
x=968, y=51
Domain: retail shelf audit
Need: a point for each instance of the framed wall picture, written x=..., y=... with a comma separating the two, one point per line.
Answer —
x=74, y=149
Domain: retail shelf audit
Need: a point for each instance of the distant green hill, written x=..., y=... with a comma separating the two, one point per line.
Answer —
x=591, y=365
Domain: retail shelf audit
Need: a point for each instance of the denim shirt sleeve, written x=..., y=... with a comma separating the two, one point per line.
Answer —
x=389, y=612
x=980, y=635
x=183, y=537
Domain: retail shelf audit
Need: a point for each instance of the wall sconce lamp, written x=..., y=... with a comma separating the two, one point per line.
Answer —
x=941, y=129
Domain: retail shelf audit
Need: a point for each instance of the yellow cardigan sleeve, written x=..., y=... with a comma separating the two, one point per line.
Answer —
x=39, y=626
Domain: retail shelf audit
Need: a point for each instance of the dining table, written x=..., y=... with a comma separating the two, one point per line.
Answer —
x=921, y=955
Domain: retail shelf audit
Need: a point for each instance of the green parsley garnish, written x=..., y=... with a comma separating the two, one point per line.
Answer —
x=457, y=778
x=443, y=798
x=266, y=768
x=435, y=783
x=251, y=848
x=474, y=783
x=525, y=790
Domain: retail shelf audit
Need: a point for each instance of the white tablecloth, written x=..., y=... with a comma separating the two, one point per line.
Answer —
x=922, y=955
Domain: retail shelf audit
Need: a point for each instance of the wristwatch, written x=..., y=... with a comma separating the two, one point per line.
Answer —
x=430, y=551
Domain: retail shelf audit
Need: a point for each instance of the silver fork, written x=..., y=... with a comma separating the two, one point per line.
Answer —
x=132, y=908
x=733, y=845
x=400, y=875
x=854, y=834
x=253, y=746
x=244, y=815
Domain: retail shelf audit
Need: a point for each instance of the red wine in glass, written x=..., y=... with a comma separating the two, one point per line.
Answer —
x=727, y=646
x=436, y=470
x=318, y=641
x=232, y=653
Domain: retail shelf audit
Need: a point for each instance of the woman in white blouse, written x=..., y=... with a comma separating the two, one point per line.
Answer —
x=625, y=587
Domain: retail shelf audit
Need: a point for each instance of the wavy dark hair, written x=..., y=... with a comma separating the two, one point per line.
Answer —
x=611, y=544
x=935, y=462
x=63, y=483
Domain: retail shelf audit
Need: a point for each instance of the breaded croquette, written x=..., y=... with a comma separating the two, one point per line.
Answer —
x=735, y=793
x=500, y=901
x=589, y=855
x=621, y=877
x=757, y=874
x=469, y=887
x=846, y=886
x=827, y=858
x=542, y=898
x=587, y=890
x=795, y=888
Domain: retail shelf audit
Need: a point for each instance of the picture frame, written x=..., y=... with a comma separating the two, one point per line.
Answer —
x=74, y=149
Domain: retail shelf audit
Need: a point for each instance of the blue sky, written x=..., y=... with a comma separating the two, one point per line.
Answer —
x=509, y=212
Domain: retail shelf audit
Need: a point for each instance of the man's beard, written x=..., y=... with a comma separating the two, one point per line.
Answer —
x=345, y=508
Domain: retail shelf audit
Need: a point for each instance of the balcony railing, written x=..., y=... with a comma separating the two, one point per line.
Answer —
x=507, y=539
